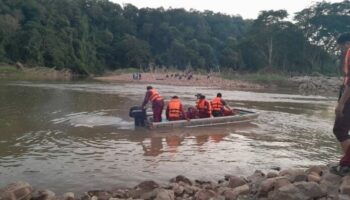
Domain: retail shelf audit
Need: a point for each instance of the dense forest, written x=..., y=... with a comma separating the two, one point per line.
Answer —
x=91, y=36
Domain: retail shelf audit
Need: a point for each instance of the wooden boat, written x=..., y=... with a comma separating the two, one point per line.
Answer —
x=240, y=116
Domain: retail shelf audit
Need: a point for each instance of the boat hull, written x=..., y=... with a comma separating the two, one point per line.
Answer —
x=241, y=116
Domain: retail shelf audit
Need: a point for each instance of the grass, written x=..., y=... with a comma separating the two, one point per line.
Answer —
x=124, y=71
x=8, y=70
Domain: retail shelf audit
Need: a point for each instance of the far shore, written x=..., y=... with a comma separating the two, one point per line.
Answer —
x=181, y=80
x=305, y=85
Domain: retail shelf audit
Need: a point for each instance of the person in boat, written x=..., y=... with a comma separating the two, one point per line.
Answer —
x=203, y=106
x=157, y=103
x=175, y=110
x=219, y=105
x=342, y=120
x=192, y=113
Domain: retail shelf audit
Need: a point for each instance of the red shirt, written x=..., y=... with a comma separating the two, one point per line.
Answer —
x=346, y=68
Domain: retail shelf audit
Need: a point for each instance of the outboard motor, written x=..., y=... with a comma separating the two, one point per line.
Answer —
x=139, y=115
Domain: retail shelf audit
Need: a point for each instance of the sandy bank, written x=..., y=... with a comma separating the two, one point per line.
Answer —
x=195, y=80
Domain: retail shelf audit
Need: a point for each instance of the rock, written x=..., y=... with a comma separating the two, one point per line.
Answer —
x=230, y=195
x=100, y=194
x=281, y=182
x=236, y=181
x=120, y=193
x=178, y=190
x=222, y=190
x=258, y=176
x=68, y=196
x=182, y=179
x=94, y=198
x=271, y=175
x=265, y=187
x=345, y=185
x=293, y=174
x=255, y=180
x=331, y=183
x=313, y=177
x=241, y=190
x=205, y=195
x=147, y=185
x=190, y=189
x=16, y=191
x=145, y=190
x=310, y=189
x=276, y=168
x=317, y=169
x=163, y=194
x=43, y=195
x=300, y=178
x=343, y=197
x=287, y=192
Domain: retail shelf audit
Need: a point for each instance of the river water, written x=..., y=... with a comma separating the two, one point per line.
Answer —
x=77, y=136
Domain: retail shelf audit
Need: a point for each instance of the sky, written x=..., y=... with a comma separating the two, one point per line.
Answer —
x=248, y=9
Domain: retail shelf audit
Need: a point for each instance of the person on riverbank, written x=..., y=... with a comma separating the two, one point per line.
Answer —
x=175, y=110
x=157, y=103
x=218, y=105
x=342, y=121
x=203, y=106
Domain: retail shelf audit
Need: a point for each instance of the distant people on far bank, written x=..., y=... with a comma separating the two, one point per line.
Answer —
x=136, y=76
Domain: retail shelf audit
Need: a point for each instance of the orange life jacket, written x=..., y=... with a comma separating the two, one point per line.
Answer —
x=154, y=95
x=203, y=106
x=174, y=107
x=216, y=104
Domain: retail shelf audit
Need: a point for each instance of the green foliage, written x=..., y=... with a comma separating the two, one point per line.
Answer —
x=93, y=36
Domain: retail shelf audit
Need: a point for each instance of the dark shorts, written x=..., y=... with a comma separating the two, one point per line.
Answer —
x=342, y=124
x=217, y=113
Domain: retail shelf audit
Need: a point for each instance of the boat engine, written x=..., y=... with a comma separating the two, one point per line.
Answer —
x=139, y=115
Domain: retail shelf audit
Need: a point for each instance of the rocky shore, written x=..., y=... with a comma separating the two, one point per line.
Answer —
x=313, y=183
x=316, y=85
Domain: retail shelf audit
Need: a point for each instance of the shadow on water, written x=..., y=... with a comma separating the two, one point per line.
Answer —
x=78, y=136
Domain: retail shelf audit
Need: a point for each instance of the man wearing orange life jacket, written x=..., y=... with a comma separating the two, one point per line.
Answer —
x=157, y=103
x=218, y=105
x=203, y=106
x=174, y=110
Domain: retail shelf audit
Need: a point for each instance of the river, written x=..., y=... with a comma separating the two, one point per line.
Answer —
x=77, y=136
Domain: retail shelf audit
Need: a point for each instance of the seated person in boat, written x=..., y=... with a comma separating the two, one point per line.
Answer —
x=203, y=106
x=192, y=113
x=219, y=107
x=175, y=110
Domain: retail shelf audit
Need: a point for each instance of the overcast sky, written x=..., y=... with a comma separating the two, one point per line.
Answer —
x=246, y=8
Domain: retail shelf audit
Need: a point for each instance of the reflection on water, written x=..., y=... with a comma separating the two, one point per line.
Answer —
x=78, y=136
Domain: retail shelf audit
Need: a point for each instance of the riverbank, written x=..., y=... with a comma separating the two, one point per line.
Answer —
x=184, y=80
x=20, y=72
x=306, y=85
x=313, y=183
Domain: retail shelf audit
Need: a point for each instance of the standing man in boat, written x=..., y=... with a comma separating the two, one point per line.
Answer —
x=342, y=121
x=157, y=103
x=218, y=105
x=203, y=106
x=175, y=110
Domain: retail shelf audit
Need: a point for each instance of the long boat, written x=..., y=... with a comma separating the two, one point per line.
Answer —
x=240, y=116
